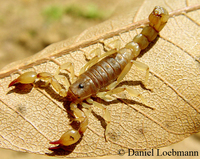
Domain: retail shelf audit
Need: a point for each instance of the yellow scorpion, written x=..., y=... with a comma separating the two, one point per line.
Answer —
x=99, y=77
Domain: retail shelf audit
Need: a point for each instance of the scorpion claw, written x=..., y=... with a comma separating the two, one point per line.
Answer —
x=25, y=78
x=13, y=82
x=55, y=142
x=68, y=138
x=55, y=147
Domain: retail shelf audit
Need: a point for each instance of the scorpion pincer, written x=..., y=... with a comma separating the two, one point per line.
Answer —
x=99, y=77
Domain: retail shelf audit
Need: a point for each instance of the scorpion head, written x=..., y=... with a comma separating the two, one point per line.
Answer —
x=80, y=90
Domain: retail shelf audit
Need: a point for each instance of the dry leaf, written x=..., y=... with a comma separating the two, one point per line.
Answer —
x=33, y=117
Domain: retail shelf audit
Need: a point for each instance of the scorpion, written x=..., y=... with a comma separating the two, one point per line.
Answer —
x=99, y=77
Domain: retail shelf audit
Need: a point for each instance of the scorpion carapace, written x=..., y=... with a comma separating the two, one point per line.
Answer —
x=99, y=77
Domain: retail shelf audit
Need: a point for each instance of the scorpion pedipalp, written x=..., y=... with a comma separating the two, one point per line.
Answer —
x=68, y=138
x=26, y=78
x=72, y=136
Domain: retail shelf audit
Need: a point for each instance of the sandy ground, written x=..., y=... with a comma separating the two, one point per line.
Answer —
x=27, y=26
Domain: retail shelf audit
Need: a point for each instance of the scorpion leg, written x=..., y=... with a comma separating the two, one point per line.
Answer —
x=93, y=61
x=131, y=92
x=143, y=67
x=139, y=65
x=96, y=52
x=98, y=55
x=106, y=96
x=72, y=136
x=114, y=49
x=115, y=44
x=88, y=107
x=65, y=66
x=121, y=76
x=107, y=116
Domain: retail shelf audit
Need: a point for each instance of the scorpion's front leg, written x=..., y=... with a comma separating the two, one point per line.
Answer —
x=65, y=66
x=132, y=92
x=107, y=116
x=30, y=77
x=72, y=136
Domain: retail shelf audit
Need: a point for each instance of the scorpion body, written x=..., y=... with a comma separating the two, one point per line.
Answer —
x=100, y=77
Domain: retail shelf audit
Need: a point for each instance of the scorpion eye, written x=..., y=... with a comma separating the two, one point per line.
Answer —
x=81, y=85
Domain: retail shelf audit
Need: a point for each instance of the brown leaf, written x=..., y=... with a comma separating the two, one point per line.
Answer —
x=33, y=117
